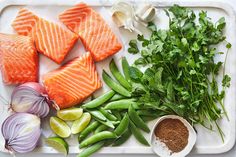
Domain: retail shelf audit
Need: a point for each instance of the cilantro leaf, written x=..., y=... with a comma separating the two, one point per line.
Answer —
x=226, y=81
x=135, y=73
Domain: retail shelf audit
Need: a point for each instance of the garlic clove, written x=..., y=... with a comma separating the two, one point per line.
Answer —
x=142, y=9
x=119, y=18
x=145, y=13
x=129, y=24
x=149, y=15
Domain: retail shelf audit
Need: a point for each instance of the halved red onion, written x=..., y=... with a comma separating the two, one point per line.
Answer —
x=32, y=98
x=21, y=132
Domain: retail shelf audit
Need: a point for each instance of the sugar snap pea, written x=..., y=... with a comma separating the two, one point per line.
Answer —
x=116, y=97
x=123, y=138
x=118, y=76
x=108, y=115
x=98, y=115
x=137, y=134
x=90, y=150
x=115, y=122
x=120, y=104
x=107, y=123
x=97, y=137
x=147, y=118
x=117, y=114
x=144, y=113
x=100, y=128
x=91, y=127
x=151, y=113
x=114, y=85
x=137, y=120
x=100, y=100
x=122, y=127
x=125, y=66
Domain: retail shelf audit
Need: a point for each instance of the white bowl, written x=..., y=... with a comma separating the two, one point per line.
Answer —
x=160, y=149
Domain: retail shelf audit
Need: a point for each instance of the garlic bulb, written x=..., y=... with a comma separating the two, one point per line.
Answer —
x=123, y=15
x=145, y=13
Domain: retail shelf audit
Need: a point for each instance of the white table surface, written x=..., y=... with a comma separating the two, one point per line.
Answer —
x=231, y=153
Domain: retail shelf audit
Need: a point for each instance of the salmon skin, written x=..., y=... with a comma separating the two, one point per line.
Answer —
x=18, y=59
x=51, y=40
x=72, y=83
x=94, y=32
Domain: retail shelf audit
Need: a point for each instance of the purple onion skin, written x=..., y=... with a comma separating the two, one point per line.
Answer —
x=21, y=132
x=34, y=95
x=34, y=85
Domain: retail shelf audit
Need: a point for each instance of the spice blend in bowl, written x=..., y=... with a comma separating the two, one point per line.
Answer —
x=172, y=136
x=173, y=133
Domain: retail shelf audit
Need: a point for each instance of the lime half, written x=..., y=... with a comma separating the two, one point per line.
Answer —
x=58, y=144
x=70, y=114
x=59, y=127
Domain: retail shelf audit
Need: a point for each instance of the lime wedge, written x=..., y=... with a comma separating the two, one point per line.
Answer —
x=59, y=127
x=58, y=144
x=80, y=124
x=70, y=114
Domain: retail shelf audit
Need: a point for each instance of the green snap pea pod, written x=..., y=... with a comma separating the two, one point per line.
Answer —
x=119, y=129
x=125, y=66
x=121, y=104
x=107, y=123
x=123, y=138
x=97, y=137
x=107, y=114
x=147, y=118
x=122, y=127
x=118, y=76
x=91, y=127
x=145, y=113
x=151, y=113
x=115, y=122
x=100, y=128
x=98, y=115
x=137, y=120
x=109, y=142
x=117, y=114
x=137, y=134
x=114, y=85
x=91, y=150
x=100, y=100
x=116, y=97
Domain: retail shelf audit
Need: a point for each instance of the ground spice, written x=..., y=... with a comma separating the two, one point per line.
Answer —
x=173, y=133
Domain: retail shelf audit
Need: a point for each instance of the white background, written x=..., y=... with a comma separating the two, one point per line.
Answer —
x=231, y=153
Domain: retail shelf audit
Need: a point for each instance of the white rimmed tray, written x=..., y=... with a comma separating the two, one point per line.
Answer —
x=207, y=143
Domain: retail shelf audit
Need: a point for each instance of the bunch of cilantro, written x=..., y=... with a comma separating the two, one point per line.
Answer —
x=181, y=73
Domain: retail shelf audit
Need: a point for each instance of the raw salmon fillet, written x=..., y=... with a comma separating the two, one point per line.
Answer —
x=25, y=22
x=18, y=59
x=51, y=40
x=73, y=82
x=94, y=32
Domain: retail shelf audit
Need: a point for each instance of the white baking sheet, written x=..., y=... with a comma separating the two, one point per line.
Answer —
x=208, y=142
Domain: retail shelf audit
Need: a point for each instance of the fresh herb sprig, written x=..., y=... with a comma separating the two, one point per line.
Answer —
x=181, y=73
